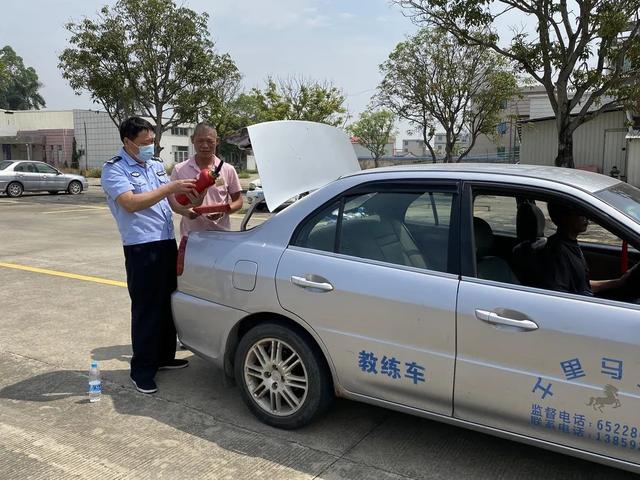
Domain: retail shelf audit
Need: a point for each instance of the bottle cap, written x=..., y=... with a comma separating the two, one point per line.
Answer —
x=94, y=364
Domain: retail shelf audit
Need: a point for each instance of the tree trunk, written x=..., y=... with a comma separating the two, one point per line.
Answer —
x=375, y=161
x=565, y=147
x=158, y=137
x=565, y=134
x=448, y=155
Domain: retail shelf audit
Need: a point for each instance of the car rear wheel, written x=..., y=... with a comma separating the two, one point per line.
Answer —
x=75, y=187
x=14, y=189
x=283, y=379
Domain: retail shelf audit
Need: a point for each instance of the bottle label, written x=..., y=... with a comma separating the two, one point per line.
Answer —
x=95, y=387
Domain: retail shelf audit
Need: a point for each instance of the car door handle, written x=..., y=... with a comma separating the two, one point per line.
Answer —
x=305, y=283
x=492, y=317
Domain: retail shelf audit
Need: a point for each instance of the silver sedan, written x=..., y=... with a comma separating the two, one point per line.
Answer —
x=18, y=176
x=413, y=289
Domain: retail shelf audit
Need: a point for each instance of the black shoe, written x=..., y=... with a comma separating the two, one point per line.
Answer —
x=145, y=386
x=174, y=364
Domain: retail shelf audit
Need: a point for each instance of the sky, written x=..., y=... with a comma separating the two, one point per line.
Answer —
x=342, y=41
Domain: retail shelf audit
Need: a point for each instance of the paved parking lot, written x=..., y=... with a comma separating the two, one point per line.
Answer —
x=196, y=426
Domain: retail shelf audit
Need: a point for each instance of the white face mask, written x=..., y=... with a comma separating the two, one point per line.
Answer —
x=145, y=152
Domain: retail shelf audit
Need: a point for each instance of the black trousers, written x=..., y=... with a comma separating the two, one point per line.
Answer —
x=151, y=279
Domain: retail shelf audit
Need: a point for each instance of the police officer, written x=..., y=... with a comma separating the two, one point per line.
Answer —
x=137, y=187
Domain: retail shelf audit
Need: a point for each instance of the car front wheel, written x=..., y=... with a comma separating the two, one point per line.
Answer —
x=282, y=378
x=14, y=189
x=75, y=188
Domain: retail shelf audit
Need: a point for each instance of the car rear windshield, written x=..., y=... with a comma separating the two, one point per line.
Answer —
x=623, y=197
x=4, y=164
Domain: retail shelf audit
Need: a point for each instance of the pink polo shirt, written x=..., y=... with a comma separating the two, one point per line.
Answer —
x=216, y=194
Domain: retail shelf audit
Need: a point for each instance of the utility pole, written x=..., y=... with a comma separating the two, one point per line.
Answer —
x=86, y=149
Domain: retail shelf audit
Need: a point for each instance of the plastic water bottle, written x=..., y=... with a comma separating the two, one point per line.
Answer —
x=95, y=385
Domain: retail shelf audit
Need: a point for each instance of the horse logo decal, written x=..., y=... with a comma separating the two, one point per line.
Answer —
x=610, y=398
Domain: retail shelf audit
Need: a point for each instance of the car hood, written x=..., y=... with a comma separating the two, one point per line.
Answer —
x=294, y=157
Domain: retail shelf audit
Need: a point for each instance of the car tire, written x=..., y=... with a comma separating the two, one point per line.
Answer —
x=74, y=188
x=299, y=366
x=14, y=189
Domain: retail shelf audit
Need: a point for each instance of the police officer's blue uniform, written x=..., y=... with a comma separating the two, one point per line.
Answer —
x=150, y=260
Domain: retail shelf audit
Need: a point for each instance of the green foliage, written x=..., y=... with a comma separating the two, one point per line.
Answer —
x=293, y=99
x=19, y=85
x=433, y=80
x=76, y=154
x=149, y=57
x=93, y=173
x=374, y=129
x=586, y=53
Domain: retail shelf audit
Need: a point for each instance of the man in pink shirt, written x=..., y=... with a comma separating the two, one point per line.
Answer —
x=226, y=190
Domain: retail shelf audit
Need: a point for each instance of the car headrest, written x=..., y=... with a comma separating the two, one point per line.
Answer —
x=529, y=222
x=483, y=237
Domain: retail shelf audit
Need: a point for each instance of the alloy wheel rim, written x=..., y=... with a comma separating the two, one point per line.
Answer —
x=14, y=190
x=75, y=188
x=276, y=377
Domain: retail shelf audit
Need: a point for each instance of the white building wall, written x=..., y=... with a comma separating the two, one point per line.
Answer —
x=540, y=142
x=362, y=152
x=633, y=159
x=102, y=139
x=36, y=119
x=540, y=107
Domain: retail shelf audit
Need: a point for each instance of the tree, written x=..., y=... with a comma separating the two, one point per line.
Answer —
x=432, y=79
x=296, y=98
x=586, y=53
x=373, y=131
x=19, y=85
x=149, y=57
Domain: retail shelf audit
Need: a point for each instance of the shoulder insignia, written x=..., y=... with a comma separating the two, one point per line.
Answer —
x=157, y=159
x=115, y=159
x=160, y=173
x=135, y=174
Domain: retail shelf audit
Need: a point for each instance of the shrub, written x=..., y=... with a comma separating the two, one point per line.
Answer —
x=93, y=173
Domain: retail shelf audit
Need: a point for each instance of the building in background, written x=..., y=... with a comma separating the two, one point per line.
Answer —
x=45, y=135
x=49, y=136
x=418, y=148
x=598, y=145
x=363, y=153
x=98, y=139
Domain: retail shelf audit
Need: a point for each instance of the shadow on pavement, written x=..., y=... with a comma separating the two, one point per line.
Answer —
x=195, y=401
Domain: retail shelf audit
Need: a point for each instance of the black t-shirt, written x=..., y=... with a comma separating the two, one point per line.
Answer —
x=565, y=269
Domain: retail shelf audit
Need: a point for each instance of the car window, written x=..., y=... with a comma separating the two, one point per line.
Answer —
x=429, y=209
x=21, y=167
x=44, y=168
x=517, y=242
x=595, y=233
x=394, y=227
x=498, y=211
x=5, y=164
x=319, y=231
x=31, y=168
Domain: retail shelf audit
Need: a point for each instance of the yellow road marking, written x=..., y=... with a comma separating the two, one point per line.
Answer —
x=56, y=273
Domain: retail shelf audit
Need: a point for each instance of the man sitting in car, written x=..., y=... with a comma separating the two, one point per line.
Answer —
x=565, y=268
